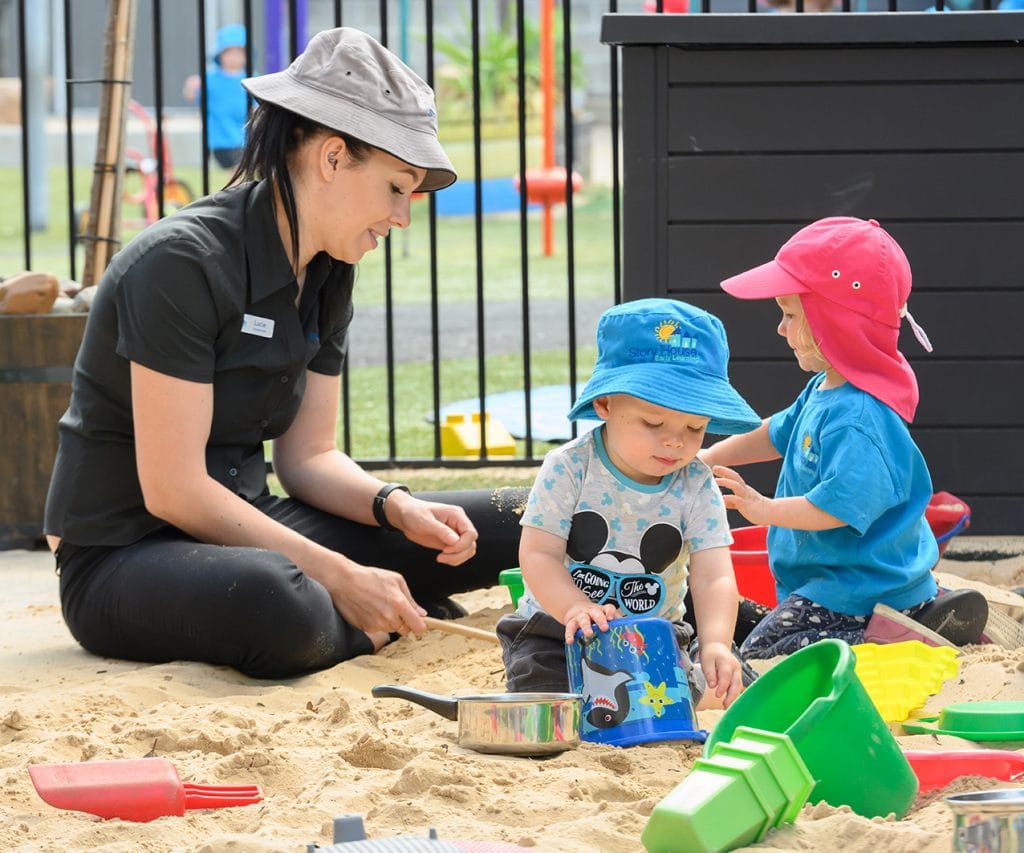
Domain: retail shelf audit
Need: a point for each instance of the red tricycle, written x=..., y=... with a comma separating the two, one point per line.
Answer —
x=142, y=180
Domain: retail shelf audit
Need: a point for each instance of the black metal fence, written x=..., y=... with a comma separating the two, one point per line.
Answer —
x=541, y=307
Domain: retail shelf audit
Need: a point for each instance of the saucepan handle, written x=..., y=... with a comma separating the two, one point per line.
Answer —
x=444, y=705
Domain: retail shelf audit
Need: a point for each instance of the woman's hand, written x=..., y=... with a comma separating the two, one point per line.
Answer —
x=374, y=599
x=584, y=615
x=722, y=671
x=442, y=527
x=751, y=504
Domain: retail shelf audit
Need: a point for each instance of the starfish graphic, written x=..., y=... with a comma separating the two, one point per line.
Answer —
x=656, y=698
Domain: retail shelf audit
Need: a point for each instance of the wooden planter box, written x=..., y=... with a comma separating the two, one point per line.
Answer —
x=37, y=352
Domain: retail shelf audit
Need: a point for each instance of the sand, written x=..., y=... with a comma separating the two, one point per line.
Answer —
x=322, y=747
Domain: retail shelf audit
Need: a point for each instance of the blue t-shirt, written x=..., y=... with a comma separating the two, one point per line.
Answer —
x=853, y=457
x=227, y=108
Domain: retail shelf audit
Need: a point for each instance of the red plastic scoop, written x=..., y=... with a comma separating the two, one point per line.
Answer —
x=938, y=769
x=139, y=789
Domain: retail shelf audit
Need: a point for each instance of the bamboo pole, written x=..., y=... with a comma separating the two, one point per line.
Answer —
x=103, y=230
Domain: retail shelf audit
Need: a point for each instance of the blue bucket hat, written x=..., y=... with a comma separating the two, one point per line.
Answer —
x=233, y=35
x=670, y=354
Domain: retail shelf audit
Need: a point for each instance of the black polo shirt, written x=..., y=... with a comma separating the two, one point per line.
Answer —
x=205, y=295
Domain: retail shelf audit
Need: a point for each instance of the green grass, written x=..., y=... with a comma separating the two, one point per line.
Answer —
x=441, y=479
x=501, y=260
x=50, y=247
x=457, y=254
x=414, y=435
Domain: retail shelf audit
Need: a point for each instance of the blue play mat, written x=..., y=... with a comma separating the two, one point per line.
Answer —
x=497, y=195
x=548, y=406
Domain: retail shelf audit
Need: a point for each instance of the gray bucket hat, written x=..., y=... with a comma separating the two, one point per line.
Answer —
x=347, y=81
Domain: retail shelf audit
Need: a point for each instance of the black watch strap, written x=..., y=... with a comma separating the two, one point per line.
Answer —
x=378, y=504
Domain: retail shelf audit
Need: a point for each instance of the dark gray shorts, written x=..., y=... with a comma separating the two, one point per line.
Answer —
x=533, y=651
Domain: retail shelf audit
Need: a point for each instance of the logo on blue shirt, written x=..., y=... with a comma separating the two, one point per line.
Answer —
x=806, y=451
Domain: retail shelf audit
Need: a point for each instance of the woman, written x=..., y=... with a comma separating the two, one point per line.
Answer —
x=224, y=326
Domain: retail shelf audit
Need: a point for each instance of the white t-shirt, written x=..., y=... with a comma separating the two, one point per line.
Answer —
x=616, y=523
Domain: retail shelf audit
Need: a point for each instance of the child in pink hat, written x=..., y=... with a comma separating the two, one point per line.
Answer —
x=848, y=542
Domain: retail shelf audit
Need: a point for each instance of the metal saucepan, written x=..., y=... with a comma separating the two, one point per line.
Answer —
x=988, y=820
x=504, y=723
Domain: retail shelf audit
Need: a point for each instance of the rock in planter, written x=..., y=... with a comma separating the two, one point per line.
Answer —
x=28, y=293
x=83, y=299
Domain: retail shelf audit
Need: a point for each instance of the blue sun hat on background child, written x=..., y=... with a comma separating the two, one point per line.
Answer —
x=232, y=35
x=671, y=354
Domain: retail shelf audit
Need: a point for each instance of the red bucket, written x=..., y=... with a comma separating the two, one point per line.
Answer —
x=947, y=516
x=754, y=577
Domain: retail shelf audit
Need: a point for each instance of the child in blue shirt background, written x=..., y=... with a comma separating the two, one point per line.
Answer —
x=847, y=541
x=227, y=107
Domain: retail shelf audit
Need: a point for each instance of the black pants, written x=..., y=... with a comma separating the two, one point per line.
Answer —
x=168, y=597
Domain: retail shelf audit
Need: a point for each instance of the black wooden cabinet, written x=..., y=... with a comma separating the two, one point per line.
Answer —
x=740, y=129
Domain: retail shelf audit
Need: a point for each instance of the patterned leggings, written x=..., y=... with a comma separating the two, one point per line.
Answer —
x=797, y=622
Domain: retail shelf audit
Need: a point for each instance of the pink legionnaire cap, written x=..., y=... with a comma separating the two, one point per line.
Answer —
x=854, y=281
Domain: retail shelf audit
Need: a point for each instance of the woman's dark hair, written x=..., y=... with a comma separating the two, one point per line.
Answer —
x=272, y=136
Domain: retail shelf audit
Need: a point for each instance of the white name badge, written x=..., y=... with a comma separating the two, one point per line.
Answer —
x=261, y=326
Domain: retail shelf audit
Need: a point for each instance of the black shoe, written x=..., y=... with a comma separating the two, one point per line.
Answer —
x=445, y=608
x=958, y=615
x=747, y=617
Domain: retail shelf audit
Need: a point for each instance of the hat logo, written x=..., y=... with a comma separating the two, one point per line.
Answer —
x=672, y=346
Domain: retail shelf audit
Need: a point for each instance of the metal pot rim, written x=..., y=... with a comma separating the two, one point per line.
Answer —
x=521, y=697
x=998, y=800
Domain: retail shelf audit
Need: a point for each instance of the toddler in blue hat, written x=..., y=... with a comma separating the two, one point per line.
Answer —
x=631, y=500
x=227, y=106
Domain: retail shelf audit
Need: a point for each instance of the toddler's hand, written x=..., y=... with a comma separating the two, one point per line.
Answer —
x=583, y=617
x=752, y=505
x=722, y=672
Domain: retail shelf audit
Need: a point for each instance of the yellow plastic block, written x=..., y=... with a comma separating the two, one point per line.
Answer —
x=899, y=677
x=460, y=436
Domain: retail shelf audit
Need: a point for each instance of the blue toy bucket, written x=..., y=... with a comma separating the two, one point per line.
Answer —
x=633, y=684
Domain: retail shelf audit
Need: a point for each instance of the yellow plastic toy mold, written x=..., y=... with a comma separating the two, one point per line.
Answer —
x=899, y=677
x=460, y=436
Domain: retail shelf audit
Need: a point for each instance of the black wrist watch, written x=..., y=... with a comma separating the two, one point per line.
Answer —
x=378, y=505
